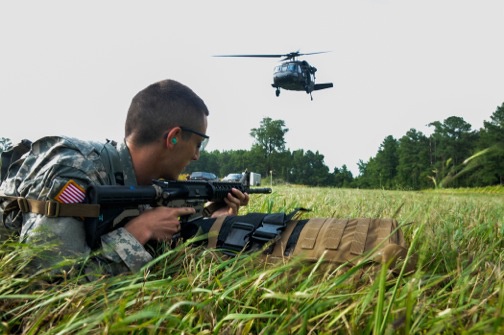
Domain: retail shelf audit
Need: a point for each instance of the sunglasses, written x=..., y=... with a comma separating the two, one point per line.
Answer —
x=206, y=138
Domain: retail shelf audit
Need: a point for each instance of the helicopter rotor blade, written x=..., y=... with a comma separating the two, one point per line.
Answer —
x=291, y=55
x=313, y=53
x=257, y=56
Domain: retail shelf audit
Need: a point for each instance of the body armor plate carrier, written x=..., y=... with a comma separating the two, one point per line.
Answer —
x=284, y=236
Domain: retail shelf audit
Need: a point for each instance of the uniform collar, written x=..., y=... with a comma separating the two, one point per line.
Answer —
x=127, y=164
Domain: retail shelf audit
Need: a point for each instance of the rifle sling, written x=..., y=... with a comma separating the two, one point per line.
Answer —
x=51, y=208
x=213, y=234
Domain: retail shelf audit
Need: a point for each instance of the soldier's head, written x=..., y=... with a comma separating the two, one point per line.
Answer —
x=162, y=106
x=169, y=117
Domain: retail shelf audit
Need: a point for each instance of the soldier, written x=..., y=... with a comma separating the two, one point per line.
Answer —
x=165, y=130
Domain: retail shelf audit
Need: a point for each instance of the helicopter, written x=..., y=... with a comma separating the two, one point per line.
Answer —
x=292, y=74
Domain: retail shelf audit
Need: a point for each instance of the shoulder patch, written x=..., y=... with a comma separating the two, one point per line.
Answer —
x=71, y=193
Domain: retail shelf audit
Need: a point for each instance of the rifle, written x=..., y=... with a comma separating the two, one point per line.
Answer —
x=118, y=203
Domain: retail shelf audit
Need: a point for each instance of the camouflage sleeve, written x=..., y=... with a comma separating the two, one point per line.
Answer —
x=120, y=246
x=57, y=240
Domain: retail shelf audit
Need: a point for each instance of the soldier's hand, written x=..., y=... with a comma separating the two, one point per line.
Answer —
x=234, y=200
x=159, y=223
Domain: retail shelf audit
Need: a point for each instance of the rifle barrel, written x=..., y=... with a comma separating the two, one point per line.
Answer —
x=257, y=190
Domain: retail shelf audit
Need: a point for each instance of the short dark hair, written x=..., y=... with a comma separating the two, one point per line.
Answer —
x=161, y=106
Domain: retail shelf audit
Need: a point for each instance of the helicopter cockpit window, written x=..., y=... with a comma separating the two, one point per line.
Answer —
x=292, y=67
x=284, y=68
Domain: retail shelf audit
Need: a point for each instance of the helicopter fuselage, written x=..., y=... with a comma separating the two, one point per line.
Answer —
x=294, y=76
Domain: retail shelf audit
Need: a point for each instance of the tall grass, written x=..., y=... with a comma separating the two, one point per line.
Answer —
x=457, y=287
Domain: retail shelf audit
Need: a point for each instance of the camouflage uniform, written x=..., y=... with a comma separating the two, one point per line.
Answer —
x=44, y=174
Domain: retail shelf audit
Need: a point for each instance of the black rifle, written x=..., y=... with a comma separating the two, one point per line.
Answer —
x=120, y=203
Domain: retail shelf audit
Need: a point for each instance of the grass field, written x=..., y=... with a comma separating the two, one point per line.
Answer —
x=457, y=287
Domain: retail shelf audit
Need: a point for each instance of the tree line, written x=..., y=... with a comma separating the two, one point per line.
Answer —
x=454, y=155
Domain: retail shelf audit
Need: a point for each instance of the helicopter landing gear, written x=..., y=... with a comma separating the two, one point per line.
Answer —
x=277, y=92
x=308, y=91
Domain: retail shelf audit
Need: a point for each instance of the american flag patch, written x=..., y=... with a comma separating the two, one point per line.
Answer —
x=71, y=193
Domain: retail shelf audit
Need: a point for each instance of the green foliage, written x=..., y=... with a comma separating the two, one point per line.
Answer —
x=491, y=168
x=452, y=142
x=457, y=287
x=269, y=137
x=269, y=140
x=342, y=177
x=414, y=161
x=381, y=170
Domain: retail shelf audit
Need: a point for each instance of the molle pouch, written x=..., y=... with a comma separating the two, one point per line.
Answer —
x=332, y=240
x=344, y=241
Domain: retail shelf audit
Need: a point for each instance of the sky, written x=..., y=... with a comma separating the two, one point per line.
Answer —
x=72, y=67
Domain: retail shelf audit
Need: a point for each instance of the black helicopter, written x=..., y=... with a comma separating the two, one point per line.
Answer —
x=292, y=74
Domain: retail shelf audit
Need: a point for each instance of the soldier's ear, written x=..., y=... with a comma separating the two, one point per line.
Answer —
x=171, y=136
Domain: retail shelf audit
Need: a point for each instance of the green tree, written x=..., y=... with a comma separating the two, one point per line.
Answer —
x=237, y=161
x=380, y=171
x=386, y=162
x=451, y=143
x=256, y=162
x=298, y=173
x=491, y=164
x=318, y=172
x=342, y=177
x=368, y=174
x=269, y=139
x=281, y=165
x=413, y=161
x=308, y=168
x=207, y=162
